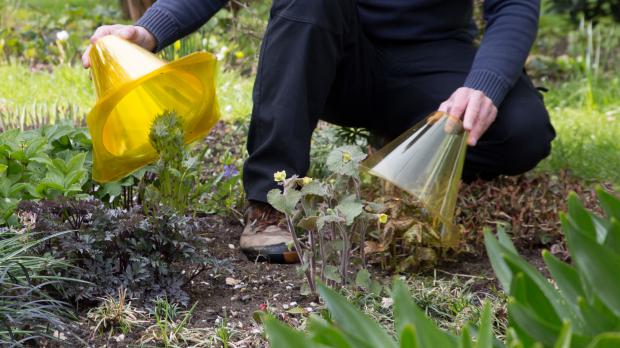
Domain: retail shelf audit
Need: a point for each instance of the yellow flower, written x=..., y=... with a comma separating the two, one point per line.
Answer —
x=279, y=176
x=383, y=218
x=306, y=180
x=239, y=55
x=177, y=45
x=346, y=157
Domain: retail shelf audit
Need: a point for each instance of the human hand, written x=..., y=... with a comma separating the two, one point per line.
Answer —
x=135, y=34
x=476, y=109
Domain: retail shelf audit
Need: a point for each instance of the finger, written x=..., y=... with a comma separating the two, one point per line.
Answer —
x=486, y=118
x=459, y=103
x=128, y=33
x=444, y=106
x=86, y=57
x=473, y=110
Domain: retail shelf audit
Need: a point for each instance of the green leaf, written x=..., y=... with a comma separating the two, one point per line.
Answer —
x=76, y=162
x=466, y=340
x=284, y=202
x=406, y=312
x=350, y=208
x=580, y=216
x=598, y=266
x=325, y=219
x=612, y=241
x=308, y=223
x=331, y=336
x=564, y=339
x=496, y=254
x=3, y=168
x=353, y=322
x=610, y=203
x=315, y=188
x=527, y=319
x=606, y=340
x=345, y=160
x=565, y=276
x=362, y=279
x=485, y=332
x=282, y=336
x=333, y=273
x=408, y=337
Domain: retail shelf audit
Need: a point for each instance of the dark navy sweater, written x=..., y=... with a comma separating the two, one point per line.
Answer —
x=510, y=32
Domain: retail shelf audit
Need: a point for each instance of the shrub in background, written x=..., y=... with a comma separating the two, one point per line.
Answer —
x=150, y=256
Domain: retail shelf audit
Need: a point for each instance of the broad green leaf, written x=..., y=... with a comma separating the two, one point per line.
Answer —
x=345, y=160
x=350, y=208
x=308, y=223
x=284, y=202
x=76, y=162
x=362, y=279
x=612, y=241
x=606, y=340
x=565, y=276
x=331, y=336
x=485, y=332
x=315, y=188
x=353, y=322
x=597, y=317
x=598, y=266
x=504, y=239
x=564, y=340
x=333, y=273
x=610, y=203
x=529, y=322
x=3, y=168
x=496, y=254
x=580, y=216
x=282, y=336
x=325, y=219
x=552, y=295
x=465, y=339
x=408, y=337
x=113, y=189
x=407, y=312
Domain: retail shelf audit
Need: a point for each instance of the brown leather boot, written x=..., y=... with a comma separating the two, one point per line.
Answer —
x=265, y=236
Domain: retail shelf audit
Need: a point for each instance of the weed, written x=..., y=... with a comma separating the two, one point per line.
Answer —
x=115, y=314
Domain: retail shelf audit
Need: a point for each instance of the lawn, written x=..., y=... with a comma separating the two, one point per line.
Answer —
x=153, y=259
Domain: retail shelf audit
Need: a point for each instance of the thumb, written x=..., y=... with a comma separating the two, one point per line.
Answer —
x=128, y=33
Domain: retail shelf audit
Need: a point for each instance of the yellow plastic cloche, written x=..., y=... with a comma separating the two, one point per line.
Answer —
x=133, y=86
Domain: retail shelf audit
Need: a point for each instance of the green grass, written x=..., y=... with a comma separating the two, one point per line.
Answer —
x=586, y=115
x=66, y=85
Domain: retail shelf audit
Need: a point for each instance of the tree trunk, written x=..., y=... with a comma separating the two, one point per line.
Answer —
x=134, y=9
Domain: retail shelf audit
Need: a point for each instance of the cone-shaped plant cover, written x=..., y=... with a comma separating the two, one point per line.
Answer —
x=133, y=86
x=427, y=162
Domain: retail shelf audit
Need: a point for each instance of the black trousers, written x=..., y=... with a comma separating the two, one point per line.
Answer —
x=316, y=63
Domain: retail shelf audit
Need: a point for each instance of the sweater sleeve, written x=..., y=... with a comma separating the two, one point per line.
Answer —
x=170, y=20
x=511, y=30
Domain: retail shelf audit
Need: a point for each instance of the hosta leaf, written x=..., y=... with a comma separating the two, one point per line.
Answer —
x=408, y=337
x=353, y=322
x=406, y=312
x=598, y=266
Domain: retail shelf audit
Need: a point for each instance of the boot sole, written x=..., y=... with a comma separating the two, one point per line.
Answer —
x=277, y=254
